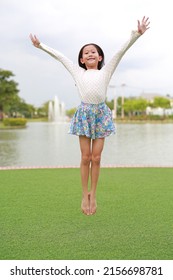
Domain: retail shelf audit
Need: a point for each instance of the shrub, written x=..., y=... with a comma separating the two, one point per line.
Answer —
x=19, y=122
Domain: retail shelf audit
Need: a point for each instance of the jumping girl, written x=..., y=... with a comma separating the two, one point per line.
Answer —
x=92, y=121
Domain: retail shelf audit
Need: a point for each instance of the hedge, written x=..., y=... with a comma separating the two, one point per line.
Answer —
x=15, y=122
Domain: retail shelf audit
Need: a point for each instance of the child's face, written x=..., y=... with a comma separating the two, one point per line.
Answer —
x=90, y=57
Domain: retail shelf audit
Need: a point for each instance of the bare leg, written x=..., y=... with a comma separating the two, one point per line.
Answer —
x=85, y=146
x=97, y=148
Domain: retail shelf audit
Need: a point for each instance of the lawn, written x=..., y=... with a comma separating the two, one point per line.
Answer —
x=40, y=216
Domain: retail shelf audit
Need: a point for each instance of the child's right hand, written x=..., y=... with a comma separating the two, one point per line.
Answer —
x=34, y=40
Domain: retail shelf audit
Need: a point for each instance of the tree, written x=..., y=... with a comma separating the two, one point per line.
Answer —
x=8, y=90
x=161, y=102
x=22, y=108
x=129, y=106
x=70, y=112
x=110, y=104
x=135, y=106
x=140, y=106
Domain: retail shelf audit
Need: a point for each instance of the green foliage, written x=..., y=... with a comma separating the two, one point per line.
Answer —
x=155, y=117
x=161, y=102
x=110, y=104
x=8, y=89
x=10, y=102
x=43, y=110
x=137, y=105
x=70, y=112
x=19, y=122
x=170, y=117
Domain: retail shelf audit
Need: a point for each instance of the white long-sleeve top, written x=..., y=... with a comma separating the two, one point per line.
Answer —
x=92, y=84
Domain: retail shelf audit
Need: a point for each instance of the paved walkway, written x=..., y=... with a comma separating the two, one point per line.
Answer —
x=70, y=166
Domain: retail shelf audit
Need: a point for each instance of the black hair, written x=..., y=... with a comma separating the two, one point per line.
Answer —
x=100, y=52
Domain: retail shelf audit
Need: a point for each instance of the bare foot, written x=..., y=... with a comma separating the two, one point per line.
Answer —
x=93, y=205
x=85, y=205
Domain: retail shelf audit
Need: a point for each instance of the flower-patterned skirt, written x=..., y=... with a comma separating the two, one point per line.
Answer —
x=93, y=121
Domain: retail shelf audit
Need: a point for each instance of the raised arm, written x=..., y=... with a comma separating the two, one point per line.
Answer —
x=69, y=65
x=113, y=63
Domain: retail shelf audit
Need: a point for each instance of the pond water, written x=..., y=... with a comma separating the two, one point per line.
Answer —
x=49, y=144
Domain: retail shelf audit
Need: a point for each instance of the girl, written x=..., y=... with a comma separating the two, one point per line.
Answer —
x=92, y=121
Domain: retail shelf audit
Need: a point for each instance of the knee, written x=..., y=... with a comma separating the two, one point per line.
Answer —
x=86, y=159
x=96, y=159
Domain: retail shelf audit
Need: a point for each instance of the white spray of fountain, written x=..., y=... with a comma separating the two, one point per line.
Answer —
x=56, y=111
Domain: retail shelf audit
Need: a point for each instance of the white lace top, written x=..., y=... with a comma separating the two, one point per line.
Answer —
x=92, y=84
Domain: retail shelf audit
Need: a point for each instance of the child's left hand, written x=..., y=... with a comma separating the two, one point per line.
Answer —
x=35, y=40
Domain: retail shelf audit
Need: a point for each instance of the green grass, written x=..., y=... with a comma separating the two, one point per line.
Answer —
x=40, y=217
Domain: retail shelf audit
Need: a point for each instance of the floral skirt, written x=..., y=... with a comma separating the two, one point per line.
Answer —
x=93, y=121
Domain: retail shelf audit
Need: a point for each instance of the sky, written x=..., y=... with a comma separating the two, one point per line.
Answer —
x=67, y=25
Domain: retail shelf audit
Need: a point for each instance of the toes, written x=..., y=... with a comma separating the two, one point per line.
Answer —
x=85, y=206
x=93, y=212
x=86, y=211
x=93, y=208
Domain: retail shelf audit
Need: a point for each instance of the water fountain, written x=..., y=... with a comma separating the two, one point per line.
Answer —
x=56, y=111
x=63, y=110
x=50, y=111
